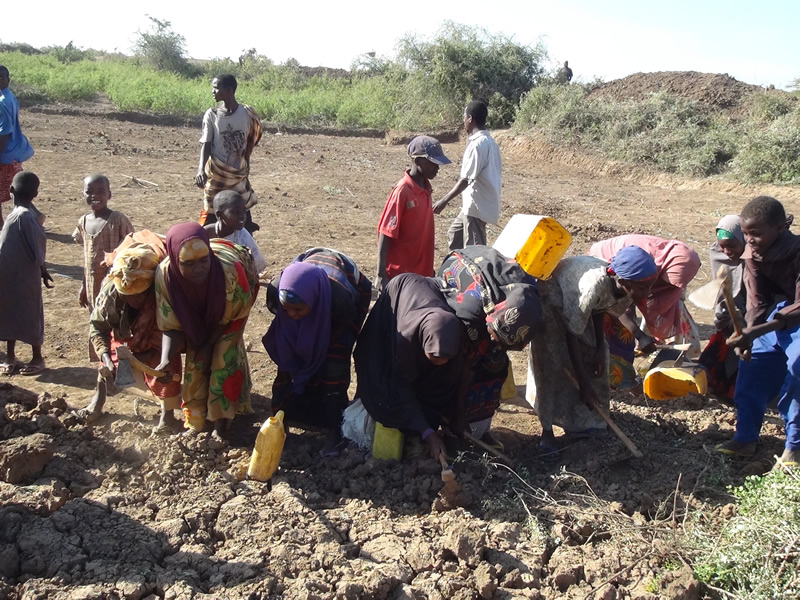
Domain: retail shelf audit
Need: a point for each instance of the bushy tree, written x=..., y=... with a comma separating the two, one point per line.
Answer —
x=162, y=48
x=463, y=62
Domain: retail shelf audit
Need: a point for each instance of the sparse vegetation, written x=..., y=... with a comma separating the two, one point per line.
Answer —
x=755, y=555
x=424, y=88
x=672, y=134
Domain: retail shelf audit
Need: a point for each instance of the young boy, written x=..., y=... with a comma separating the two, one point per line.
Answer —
x=770, y=344
x=14, y=146
x=479, y=184
x=405, y=230
x=230, y=133
x=99, y=231
x=23, y=244
x=230, y=209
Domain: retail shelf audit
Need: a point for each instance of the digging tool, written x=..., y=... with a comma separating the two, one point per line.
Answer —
x=491, y=450
x=705, y=297
x=451, y=487
x=607, y=418
x=724, y=276
x=127, y=361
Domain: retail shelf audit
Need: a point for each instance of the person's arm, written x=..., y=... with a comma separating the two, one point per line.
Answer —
x=585, y=391
x=171, y=342
x=645, y=343
x=4, y=142
x=201, y=177
x=758, y=297
x=601, y=348
x=382, y=278
x=459, y=187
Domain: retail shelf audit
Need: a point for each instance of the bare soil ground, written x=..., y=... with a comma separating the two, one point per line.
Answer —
x=112, y=511
x=712, y=90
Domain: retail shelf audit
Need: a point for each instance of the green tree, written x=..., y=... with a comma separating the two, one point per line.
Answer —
x=464, y=62
x=162, y=48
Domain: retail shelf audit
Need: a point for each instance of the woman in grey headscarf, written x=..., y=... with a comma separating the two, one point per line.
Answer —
x=727, y=250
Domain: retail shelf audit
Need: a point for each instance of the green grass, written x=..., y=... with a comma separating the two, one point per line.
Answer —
x=662, y=132
x=756, y=554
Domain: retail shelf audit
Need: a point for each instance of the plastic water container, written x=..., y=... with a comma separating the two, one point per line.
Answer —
x=665, y=382
x=536, y=242
x=387, y=443
x=268, y=449
x=509, y=389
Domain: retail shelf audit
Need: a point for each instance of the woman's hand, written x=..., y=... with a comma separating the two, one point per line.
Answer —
x=645, y=344
x=600, y=360
x=107, y=368
x=435, y=446
x=164, y=367
x=203, y=357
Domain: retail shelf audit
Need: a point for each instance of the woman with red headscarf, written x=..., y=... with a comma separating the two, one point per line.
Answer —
x=204, y=293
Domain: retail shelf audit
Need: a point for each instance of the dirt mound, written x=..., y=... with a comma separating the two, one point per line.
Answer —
x=714, y=90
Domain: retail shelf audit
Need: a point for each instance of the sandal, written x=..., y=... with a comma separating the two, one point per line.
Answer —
x=8, y=369
x=29, y=369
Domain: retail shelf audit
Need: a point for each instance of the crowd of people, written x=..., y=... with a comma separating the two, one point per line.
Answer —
x=431, y=354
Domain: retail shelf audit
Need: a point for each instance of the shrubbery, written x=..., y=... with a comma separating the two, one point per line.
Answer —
x=672, y=134
x=425, y=88
x=756, y=554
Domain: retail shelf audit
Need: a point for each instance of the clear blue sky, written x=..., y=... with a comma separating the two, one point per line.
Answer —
x=757, y=42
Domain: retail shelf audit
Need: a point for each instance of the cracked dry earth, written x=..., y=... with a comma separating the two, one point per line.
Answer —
x=112, y=511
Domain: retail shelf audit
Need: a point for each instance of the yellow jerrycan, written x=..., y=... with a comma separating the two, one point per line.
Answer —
x=268, y=449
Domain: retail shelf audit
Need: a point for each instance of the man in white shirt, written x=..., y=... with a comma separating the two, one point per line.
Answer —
x=479, y=183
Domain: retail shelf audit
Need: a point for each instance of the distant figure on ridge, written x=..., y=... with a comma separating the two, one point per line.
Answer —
x=565, y=75
x=228, y=138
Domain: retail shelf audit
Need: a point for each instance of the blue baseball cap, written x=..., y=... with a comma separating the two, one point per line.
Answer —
x=428, y=147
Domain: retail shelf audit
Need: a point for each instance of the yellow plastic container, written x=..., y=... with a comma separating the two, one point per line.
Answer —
x=664, y=383
x=387, y=443
x=536, y=242
x=509, y=389
x=268, y=449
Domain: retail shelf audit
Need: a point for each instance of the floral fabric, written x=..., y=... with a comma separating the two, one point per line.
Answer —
x=226, y=391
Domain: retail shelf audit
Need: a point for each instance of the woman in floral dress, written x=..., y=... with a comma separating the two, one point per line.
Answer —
x=204, y=293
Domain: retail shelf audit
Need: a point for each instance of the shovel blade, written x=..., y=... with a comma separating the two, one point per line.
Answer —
x=124, y=376
x=705, y=297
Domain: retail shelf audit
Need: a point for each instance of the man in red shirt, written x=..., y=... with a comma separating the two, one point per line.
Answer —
x=406, y=230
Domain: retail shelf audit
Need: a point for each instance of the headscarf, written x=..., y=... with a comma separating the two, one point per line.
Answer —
x=134, y=269
x=634, y=264
x=300, y=346
x=484, y=287
x=515, y=319
x=198, y=307
x=730, y=227
x=440, y=333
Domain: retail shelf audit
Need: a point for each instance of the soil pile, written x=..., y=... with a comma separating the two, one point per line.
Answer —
x=713, y=90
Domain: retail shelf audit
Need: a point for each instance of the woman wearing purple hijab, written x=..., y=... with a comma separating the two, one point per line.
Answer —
x=204, y=293
x=319, y=302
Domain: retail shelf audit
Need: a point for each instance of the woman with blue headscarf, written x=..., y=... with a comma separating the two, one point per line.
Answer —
x=319, y=302
x=568, y=368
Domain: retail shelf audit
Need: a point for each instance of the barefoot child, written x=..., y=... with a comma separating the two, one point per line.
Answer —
x=230, y=209
x=100, y=231
x=22, y=250
x=770, y=344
